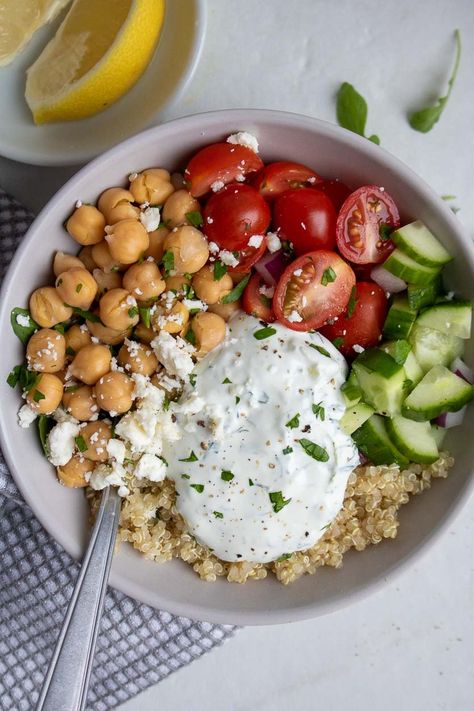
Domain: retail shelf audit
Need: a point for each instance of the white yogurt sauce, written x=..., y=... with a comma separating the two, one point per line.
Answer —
x=252, y=489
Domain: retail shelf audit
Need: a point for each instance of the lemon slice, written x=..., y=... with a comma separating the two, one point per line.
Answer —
x=19, y=20
x=97, y=55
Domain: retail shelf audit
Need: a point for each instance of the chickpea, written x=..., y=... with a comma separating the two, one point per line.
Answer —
x=143, y=333
x=177, y=206
x=46, y=395
x=157, y=240
x=144, y=281
x=118, y=309
x=152, y=185
x=172, y=319
x=46, y=351
x=137, y=358
x=80, y=402
x=209, y=330
x=189, y=248
x=127, y=241
x=113, y=392
x=61, y=374
x=63, y=261
x=115, y=205
x=96, y=435
x=91, y=363
x=85, y=255
x=208, y=288
x=77, y=287
x=47, y=308
x=105, y=282
x=109, y=336
x=86, y=225
x=176, y=283
x=76, y=338
x=103, y=258
x=73, y=473
x=225, y=310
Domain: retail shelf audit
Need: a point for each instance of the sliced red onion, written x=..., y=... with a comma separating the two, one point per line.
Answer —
x=460, y=368
x=450, y=419
x=271, y=266
x=363, y=458
x=388, y=282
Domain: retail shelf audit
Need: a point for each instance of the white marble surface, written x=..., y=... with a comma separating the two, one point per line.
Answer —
x=410, y=646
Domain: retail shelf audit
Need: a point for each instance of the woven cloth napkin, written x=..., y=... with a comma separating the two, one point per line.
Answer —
x=137, y=645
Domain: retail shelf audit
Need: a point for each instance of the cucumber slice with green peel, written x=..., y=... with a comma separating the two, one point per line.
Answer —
x=401, y=352
x=418, y=242
x=450, y=317
x=351, y=391
x=381, y=380
x=409, y=270
x=421, y=296
x=413, y=439
x=413, y=371
x=439, y=391
x=438, y=434
x=431, y=347
x=355, y=416
x=400, y=319
x=373, y=441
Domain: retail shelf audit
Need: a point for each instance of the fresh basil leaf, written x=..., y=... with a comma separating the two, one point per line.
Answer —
x=38, y=395
x=314, y=450
x=351, y=111
x=22, y=324
x=236, y=292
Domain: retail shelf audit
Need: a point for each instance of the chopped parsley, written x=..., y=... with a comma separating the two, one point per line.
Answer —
x=285, y=556
x=70, y=351
x=194, y=218
x=251, y=482
x=163, y=460
x=218, y=514
x=192, y=379
x=192, y=458
x=351, y=303
x=219, y=270
x=226, y=475
x=198, y=487
x=314, y=450
x=237, y=399
x=88, y=315
x=133, y=311
x=320, y=349
x=226, y=381
x=166, y=403
x=145, y=315
x=190, y=336
x=60, y=328
x=26, y=378
x=288, y=450
x=265, y=332
x=385, y=232
x=81, y=443
x=329, y=275
x=294, y=422
x=278, y=500
x=189, y=292
x=236, y=292
x=338, y=342
x=185, y=476
x=168, y=262
x=78, y=288
x=319, y=411
x=38, y=395
x=72, y=388
x=45, y=424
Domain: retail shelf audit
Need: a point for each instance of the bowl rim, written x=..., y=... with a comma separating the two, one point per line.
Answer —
x=238, y=117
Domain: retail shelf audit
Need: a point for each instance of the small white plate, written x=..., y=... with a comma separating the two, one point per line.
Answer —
x=163, y=82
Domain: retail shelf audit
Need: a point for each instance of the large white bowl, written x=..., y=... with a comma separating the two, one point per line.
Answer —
x=173, y=586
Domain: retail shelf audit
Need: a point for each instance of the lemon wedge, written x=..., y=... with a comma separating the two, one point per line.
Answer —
x=20, y=20
x=99, y=52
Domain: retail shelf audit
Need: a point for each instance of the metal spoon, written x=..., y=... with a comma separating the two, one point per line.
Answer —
x=66, y=683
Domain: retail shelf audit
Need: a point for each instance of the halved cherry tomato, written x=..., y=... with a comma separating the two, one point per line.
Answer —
x=247, y=258
x=219, y=162
x=277, y=177
x=314, y=288
x=363, y=225
x=362, y=322
x=307, y=218
x=256, y=303
x=234, y=214
x=336, y=191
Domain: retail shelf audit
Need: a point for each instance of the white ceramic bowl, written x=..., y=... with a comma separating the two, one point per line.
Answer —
x=174, y=586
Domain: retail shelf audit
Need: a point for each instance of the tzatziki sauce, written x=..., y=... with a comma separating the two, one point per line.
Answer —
x=262, y=464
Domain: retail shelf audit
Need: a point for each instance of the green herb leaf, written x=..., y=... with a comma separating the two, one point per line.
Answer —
x=320, y=349
x=448, y=197
x=192, y=379
x=294, y=422
x=70, y=351
x=319, y=411
x=385, y=232
x=251, y=482
x=133, y=311
x=351, y=303
x=14, y=376
x=219, y=270
x=88, y=315
x=168, y=262
x=351, y=111
x=145, y=315
x=237, y=399
x=226, y=475
x=226, y=381
x=23, y=332
x=236, y=292
x=189, y=292
x=288, y=450
x=198, y=487
x=185, y=476
x=28, y=379
x=192, y=458
x=278, y=500
x=218, y=514
x=45, y=424
x=78, y=288
x=190, y=336
x=424, y=119
x=194, y=218
x=265, y=332
x=60, y=328
x=285, y=556
x=163, y=460
x=72, y=388
x=81, y=443
x=38, y=395
x=166, y=403
x=338, y=342
x=329, y=275
x=314, y=450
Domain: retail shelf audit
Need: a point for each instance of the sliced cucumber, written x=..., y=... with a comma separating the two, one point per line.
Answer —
x=355, y=416
x=450, y=317
x=381, y=380
x=421, y=296
x=431, y=347
x=438, y=434
x=351, y=391
x=439, y=391
x=409, y=270
x=413, y=439
x=418, y=242
x=372, y=439
x=400, y=319
x=401, y=352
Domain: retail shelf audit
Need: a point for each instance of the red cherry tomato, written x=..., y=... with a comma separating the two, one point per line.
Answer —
x=361, y=229
x=362, y=322
x=256, y=303
x=234, y=214
x=314, y=288
x=277, y=177
x=219, y=162
x=336, y=191
x=307, y=218
x=247, y=258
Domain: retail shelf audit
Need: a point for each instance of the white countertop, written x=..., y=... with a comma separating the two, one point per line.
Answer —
x=410, y=646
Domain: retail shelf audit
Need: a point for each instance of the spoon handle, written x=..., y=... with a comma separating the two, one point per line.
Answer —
x=66, y=683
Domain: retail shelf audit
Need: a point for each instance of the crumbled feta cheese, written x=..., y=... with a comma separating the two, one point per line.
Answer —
x=60, y=415
x=111, y=474
x=303, y=225
x=240, y=178
x=311, y=180
x=116, y=450
x=150, y=218
x=78, y=204
x=244, y=138
x=61, y=442
x=213, y=247
x=173, y=354
x=295, y=317
x=133, y=176
x=22, y=320
x=267, y=291
x=150, y=467
x=192, y=304
x=228, y=258
x=255, y=241
x=130, y=301
x=357, y=348
x=26, y=415
x=209, y=220
x=273, y=242
x=298, y=272
x=146, y=392
x=217, y=185
x=449, y=296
